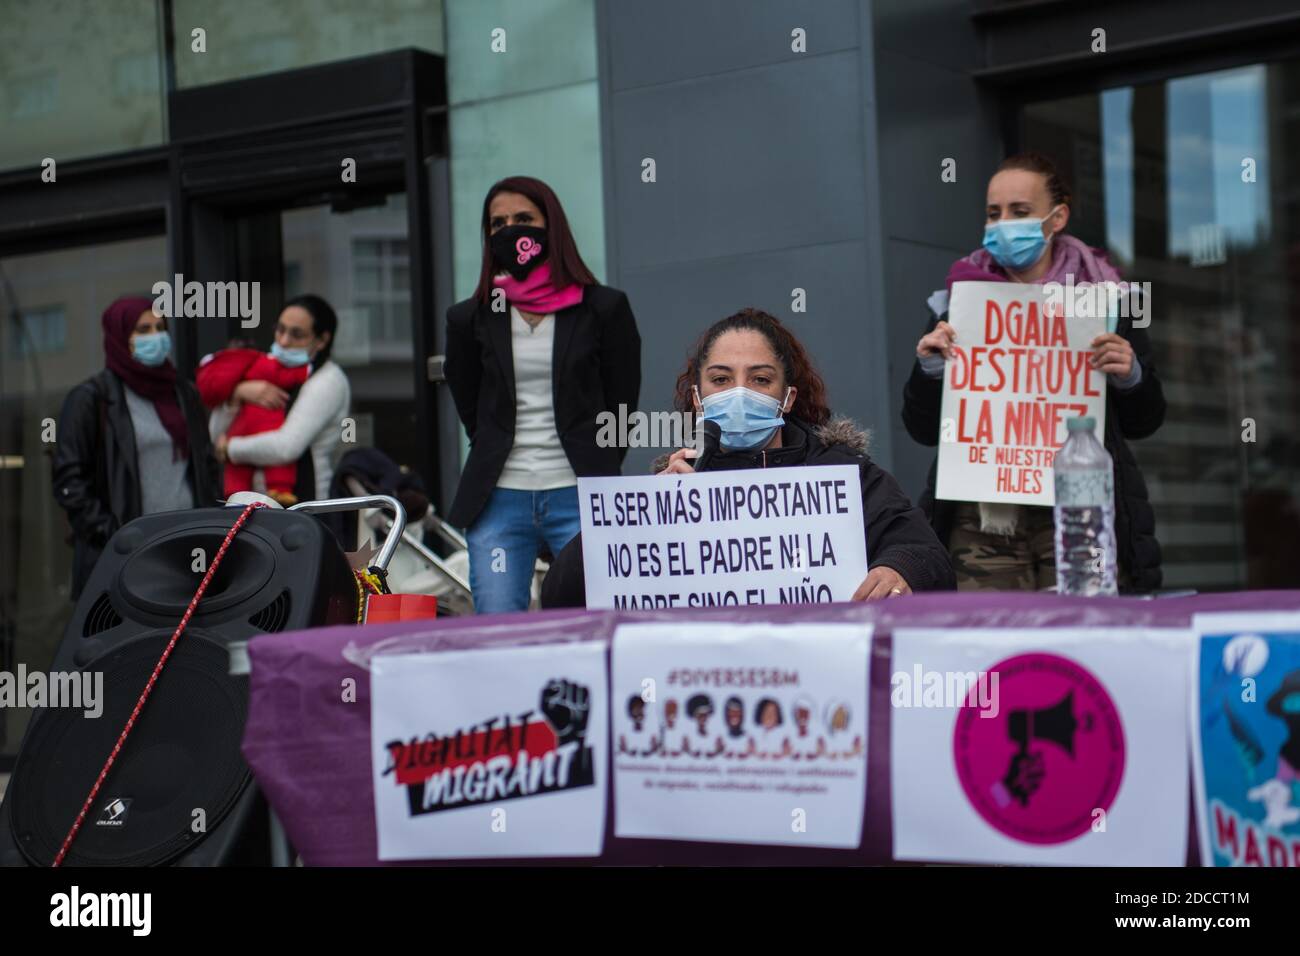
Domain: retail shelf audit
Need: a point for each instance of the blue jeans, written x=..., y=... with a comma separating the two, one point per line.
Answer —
x=504, y=539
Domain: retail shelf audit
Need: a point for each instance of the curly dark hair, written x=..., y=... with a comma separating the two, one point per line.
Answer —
x=697, y=703
x=810, y=400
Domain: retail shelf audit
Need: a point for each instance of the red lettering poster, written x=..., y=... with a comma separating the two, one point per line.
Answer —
x=1019, y=370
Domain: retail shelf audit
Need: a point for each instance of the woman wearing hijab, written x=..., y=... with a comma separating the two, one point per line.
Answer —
x=132, y=439
x=998, y=546
x=533, y=358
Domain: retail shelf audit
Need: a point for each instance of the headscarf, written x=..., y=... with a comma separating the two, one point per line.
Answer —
x=157, y=384
x=1070, y=257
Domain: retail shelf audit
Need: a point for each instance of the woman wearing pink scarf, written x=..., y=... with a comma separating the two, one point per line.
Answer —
x=533, y=358
x=1011, y=547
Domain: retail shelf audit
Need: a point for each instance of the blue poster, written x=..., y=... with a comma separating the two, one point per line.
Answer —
x=1247, y=723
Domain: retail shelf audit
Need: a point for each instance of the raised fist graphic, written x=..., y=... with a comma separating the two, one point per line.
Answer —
x=567, y=706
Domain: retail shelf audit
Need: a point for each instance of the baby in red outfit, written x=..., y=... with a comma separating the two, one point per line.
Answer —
x=217, y=377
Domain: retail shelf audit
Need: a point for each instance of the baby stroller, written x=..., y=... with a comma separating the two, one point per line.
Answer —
x=415, y=568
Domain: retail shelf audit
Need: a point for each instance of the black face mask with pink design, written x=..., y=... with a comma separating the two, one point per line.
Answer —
x=518, y=249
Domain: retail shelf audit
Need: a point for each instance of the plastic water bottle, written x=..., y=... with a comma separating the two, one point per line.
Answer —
x=1085, y=513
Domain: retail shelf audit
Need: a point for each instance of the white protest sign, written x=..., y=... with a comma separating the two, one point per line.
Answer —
x=1019, y=371
x=1060, y=746
x=756, y=536
x=490, y=753
x=752, y=733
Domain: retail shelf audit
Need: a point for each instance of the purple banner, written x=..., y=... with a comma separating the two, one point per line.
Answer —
x=309, y=744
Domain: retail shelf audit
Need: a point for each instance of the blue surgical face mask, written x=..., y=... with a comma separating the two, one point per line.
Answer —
x=1016, y=243
x=748, y=419
x=290, y=357
x=152, y=348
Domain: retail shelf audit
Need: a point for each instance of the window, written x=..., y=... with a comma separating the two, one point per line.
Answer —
x=359, y=261
x=79, y=82
x=381, y=291
x=287, y=34
x=39, y=331
x=35, y=95
x=1185, y=182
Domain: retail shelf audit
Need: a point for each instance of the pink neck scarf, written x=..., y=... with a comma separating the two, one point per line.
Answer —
x=1070, y=257
x=536, y=293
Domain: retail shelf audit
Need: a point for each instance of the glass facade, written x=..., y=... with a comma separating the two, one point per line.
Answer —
x=79, y=78
x=287, y=34
x=1185, y=182
x=523, y=111
x=358, y=262
x=60, y=296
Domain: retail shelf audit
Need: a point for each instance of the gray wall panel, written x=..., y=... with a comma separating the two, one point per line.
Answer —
x=745, y=162
x=675, y=303
x=937, y=31
x=928, y=108
x=927, y=113
x=668, y=40
x=915, y=270
x=779, y=170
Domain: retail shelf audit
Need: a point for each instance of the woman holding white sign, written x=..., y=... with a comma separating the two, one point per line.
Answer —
x=749, y=374
x=999, y=546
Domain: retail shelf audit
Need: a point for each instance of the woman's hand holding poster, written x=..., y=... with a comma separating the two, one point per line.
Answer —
x=752, y=536
x=1019, y=369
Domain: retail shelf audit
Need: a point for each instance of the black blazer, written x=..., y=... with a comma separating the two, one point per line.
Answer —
x=595, y=367
x=96, y=473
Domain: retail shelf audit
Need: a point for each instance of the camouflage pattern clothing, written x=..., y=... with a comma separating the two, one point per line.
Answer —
x=1023, y=561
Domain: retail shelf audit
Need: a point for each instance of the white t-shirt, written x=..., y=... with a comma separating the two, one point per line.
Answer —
x=735, y=746
x=840, y=744
x=640, y=743
x=770, y=742
x=672, y=738
x=702, y=744
x=808, y=746
x=537, y=461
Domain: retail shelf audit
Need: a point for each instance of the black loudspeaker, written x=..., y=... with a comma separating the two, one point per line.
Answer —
x=181, y=764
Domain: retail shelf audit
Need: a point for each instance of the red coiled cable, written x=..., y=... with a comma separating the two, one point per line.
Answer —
x=153, y=678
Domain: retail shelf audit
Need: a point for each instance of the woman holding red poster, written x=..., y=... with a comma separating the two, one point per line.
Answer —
x=999, y=546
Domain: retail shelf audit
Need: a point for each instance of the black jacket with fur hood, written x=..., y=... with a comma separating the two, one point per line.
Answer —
x=898, y=535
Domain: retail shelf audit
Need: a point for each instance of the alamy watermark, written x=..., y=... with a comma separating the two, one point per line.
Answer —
x=1128, y=300
x=209, y=300
x=946, y=689
x=128, y=910
x=80, y=690
x=646, y=429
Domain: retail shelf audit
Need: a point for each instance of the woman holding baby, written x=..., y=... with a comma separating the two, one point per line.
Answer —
x=280, y=412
